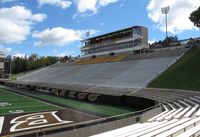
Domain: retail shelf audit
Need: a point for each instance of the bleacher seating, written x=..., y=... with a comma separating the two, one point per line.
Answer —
x=166, y=124
x=193, y=132
x=156, y=54
x=163, y=95
x=118, y=58
x=179, y=129
x=126, y=74
x=100, y=59
x=166, y=110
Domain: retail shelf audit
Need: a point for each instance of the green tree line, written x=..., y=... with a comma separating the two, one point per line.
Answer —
x=22, y=64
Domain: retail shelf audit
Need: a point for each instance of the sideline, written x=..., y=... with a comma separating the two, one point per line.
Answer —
x=38, y=99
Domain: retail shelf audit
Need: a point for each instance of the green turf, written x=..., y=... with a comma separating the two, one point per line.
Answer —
x=185, y=74
x=95, y=108
x=107, y=110
x=5, y=111
x=19, y=102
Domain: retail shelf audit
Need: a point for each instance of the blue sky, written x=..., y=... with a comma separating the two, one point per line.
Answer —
x=55, y=27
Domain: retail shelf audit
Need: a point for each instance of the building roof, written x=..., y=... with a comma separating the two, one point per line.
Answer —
x=2, y=55
x=111, y=33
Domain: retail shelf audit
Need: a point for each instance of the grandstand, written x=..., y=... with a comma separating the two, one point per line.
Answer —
x=134, y=71
x=126, y=40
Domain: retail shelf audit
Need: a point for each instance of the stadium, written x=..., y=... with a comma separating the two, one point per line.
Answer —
x=107, y=92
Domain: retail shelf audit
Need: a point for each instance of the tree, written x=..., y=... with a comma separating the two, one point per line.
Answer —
x=18, y=65
x=33, y=57
x=22, y=64
x=195, y=17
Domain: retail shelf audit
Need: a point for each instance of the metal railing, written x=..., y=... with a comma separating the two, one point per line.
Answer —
x=75, y=126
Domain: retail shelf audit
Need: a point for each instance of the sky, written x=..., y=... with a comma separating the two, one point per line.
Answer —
x=56, y=27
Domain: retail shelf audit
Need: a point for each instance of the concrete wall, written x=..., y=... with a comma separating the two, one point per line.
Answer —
x=104, y=127
x=151, y=113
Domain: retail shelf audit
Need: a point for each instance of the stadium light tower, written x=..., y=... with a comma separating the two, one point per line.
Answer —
x=165, y=11
x=10, y=66
x=88, y=34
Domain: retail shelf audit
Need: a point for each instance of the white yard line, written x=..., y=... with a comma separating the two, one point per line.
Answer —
x=23, y=107
x=37, y=100
x=1, y=123
x=77, y=111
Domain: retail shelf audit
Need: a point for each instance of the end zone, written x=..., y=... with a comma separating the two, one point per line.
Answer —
x=26, y=122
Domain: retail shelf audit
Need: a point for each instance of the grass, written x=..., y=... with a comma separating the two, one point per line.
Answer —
x=5, y=111
x=185, y=74
x=19, y=102
x=106, y=110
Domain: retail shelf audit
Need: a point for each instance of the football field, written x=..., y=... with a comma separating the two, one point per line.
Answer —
x=24, y=112
x=97, y=109
x=11, y=102
x=20, y=115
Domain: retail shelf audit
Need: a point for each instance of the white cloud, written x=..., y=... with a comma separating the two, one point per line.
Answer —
x=60, y=36
x=87, y=5
x=178, y=20
x=152, y=41
x=5, y=50
x=16, y=23
x=38, y=17
x=64, y=4
x=106, y=2
x=21, y=55
x=92, y=5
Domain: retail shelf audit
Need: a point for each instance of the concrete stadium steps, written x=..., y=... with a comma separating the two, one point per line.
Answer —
x=62, y=64
x=185, y=108
x=193, y=132
x=163, y=95
x=81, y=61
x=180, y=129
x=135, y=73
x=103, y=59
x=172, y=52
x=119, y=58
x=156, y=54
x=165, y=128
x=166, y=110
x=179, y=118
x=127, y=74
